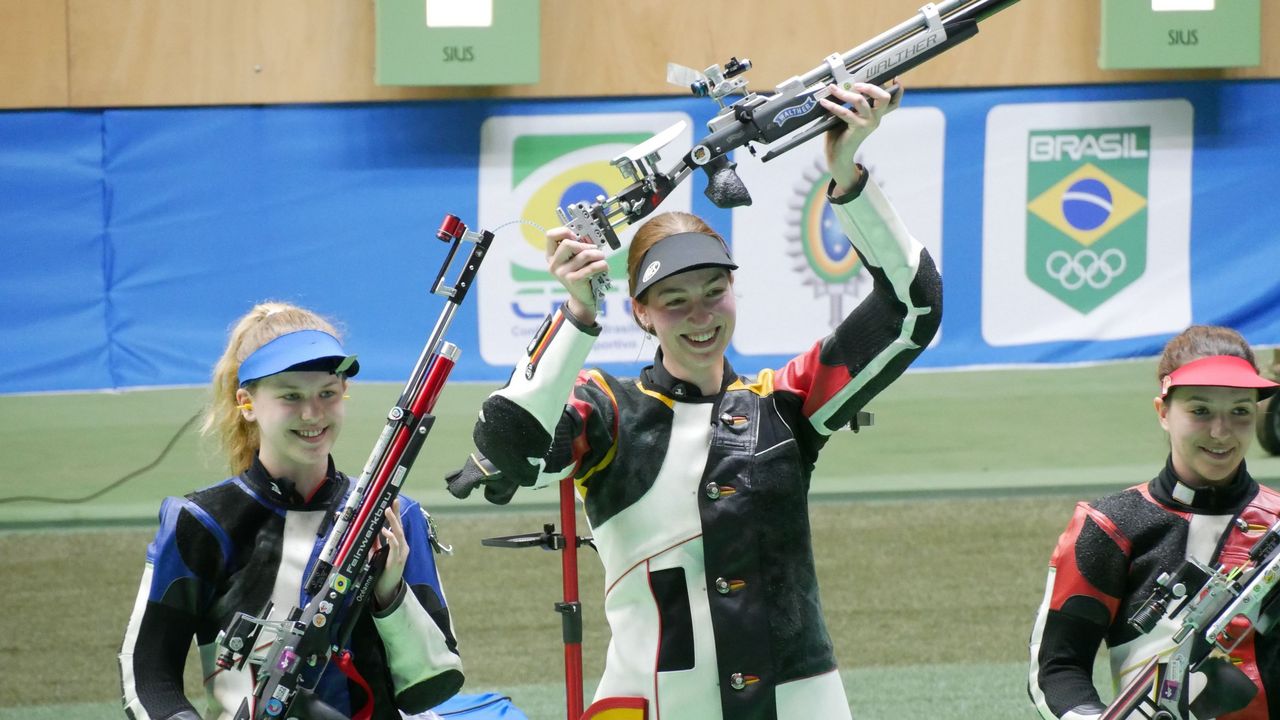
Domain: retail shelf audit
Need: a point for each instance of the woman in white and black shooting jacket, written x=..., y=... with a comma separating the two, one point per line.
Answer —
x=694, y=477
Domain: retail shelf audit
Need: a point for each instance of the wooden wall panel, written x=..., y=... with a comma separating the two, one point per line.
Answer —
x=33, y=53
x=180, y=52
x=192, y=52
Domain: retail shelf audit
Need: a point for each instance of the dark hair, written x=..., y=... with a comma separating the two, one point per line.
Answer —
x=659, y=228
x=1201, y=341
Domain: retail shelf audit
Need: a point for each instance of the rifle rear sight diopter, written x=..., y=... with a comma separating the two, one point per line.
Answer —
x=714, y=82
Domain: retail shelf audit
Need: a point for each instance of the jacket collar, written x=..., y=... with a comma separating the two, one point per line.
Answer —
x=282, y=491
x=1168, y=488
x=656, y=377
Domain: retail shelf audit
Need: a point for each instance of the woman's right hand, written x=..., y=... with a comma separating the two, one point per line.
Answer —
x=573, y=262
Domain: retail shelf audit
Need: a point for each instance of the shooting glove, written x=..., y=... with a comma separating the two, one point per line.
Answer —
x=498, y=488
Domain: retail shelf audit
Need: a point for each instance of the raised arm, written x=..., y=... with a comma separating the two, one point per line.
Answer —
x=532, y=430
x=871, y=347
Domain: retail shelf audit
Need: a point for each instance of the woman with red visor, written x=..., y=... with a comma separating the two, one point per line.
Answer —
x=1203, y=505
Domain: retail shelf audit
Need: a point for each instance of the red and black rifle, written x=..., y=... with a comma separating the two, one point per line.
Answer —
x=341, y=583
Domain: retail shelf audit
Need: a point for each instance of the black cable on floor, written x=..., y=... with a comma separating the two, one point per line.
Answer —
x=117, y=483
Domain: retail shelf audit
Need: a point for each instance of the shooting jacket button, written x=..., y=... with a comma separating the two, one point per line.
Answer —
x=725, y=586
x=716, y=491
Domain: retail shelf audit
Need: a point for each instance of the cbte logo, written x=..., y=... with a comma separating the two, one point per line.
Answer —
x=531, y=165
x=1087, y=221
x=554, y=171
x=830, y=267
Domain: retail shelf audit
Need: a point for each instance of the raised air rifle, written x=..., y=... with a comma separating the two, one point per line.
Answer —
x=1219, y=609
x=780, y=121
x=342, y=581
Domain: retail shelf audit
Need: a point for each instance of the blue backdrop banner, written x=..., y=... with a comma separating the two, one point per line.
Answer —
x=1072, y=224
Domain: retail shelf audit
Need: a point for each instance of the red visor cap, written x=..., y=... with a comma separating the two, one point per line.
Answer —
x=1219, y=371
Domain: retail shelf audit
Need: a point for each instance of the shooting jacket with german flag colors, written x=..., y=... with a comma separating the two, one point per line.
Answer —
x=1105, y=567
x=232, y=547
x=698, y=503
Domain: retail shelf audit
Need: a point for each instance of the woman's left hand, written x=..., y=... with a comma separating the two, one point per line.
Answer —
x=388, y=584
x=860, y=119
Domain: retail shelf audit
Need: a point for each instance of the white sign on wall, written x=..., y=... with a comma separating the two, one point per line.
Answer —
x=798, y=274
x=1086, y=221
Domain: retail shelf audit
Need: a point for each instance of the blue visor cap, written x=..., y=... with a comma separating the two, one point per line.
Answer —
x=300, y=350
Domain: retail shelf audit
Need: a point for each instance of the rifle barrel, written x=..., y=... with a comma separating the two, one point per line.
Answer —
x=950, y=11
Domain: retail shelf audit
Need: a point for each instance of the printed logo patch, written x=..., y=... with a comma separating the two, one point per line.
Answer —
x=832, y=266
x=1086, y=232
x=825, y=247
x=799, y=276
x=650, y=271
x=1086, y=221
x=796, y=111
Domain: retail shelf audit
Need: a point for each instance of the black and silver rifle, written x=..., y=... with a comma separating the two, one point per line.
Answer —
x=778, y=121
x=1218, y=608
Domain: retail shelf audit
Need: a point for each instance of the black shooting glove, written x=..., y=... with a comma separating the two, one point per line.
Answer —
x=477, y=471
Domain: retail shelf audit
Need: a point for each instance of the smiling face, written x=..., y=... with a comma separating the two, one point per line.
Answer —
x=1210, y=429
x=299, y=416
x=693, y=315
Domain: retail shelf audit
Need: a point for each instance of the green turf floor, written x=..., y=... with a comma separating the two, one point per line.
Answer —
x=989, y=691
x=932, y=531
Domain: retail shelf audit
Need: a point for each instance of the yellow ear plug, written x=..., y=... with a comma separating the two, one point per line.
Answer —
x=346, y=397
x=246, y=406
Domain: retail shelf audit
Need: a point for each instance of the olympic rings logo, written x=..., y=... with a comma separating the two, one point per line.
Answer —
x=1086, y=266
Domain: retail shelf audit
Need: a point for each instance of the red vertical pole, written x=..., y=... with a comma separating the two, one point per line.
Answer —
x=571, y=608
